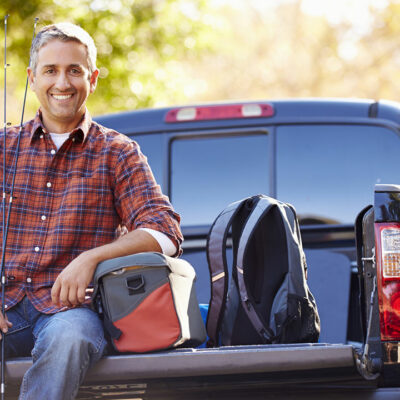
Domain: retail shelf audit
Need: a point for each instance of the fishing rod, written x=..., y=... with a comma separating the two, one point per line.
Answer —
x=5, y=116
x=3, y=281
x=6, y=223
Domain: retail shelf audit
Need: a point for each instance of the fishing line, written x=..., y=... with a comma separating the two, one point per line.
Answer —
x=6, y=223
x=2, y=386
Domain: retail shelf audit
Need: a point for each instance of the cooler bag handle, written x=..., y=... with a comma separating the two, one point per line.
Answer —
x=135, y=284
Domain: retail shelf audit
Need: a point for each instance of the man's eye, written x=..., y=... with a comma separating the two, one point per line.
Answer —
x=49, y=71
x=75, y=71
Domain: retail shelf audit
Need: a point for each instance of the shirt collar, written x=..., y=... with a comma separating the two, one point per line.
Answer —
x=80, y=133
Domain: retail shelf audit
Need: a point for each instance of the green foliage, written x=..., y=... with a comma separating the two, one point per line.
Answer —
x=164, y=52
x=136, y=40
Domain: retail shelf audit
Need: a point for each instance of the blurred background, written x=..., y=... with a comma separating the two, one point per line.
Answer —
x=153, y=53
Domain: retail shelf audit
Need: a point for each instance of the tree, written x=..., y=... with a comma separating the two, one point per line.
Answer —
x=137, y=40
x=277, y=50
x=165, y=52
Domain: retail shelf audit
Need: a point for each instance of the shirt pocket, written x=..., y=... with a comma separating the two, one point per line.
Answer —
x=85, y=203
x=79, y=194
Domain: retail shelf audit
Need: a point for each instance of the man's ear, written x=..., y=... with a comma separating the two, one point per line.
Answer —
x=93, y=80
x=31, y=78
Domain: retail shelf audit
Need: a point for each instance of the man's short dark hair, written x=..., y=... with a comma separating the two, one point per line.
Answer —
x=65, y=32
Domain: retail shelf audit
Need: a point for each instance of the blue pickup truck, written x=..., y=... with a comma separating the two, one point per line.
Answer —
x=325, y=158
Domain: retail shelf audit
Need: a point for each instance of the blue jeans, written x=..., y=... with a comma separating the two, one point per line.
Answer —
x=63, y=347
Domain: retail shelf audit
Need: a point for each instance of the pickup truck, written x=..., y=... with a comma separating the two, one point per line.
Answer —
x=325, y=158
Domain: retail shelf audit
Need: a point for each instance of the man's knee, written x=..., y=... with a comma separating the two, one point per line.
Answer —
x=72, y=331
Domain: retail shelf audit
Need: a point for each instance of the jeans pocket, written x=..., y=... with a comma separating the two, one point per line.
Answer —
x=18, y=322
x=18, y=339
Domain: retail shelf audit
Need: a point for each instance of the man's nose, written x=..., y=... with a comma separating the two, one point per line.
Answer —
x=62, y=82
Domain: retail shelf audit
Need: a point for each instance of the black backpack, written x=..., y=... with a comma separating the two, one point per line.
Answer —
x=268, y=299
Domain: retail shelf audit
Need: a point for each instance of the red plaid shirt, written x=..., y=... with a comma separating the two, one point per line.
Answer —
x=72, y=200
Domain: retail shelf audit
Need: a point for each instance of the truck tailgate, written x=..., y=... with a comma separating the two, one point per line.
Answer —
x=202, y=372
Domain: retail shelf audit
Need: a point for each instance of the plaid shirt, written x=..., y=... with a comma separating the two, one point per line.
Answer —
x=72, y=200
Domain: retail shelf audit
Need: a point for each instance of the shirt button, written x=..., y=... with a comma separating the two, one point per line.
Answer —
x=43, y=217
x=37, y=249
x=41, y=136
x=48, y=184
x=11, y=277
x=5, y=306
x=29, y=280
x=53, y=151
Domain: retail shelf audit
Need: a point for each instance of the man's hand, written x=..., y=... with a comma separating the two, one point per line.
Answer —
x=69, y=289
x=4, y=324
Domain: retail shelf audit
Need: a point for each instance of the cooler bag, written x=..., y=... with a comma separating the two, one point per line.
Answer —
x=148, y=302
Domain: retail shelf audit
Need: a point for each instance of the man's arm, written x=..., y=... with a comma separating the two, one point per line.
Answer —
x=70, y=286
x=139, y=203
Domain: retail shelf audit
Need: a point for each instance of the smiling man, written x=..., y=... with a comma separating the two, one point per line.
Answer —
x=77, y=183
x=62, y=82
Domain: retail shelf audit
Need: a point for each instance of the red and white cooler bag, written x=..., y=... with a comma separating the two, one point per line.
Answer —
x=148, y=302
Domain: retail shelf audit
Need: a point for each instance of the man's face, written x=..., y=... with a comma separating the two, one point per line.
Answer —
x=62, y=83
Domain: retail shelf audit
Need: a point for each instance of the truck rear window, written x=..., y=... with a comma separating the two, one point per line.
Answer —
x=208, y=173
x=328, y=172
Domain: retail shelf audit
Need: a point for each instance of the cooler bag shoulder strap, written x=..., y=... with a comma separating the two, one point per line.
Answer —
x=216, y=257
x=181, y=267
x=262, y=207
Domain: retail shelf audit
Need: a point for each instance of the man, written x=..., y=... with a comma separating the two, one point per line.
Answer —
x=76, y=183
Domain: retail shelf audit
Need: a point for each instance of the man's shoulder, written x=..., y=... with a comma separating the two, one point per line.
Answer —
x=110, y=136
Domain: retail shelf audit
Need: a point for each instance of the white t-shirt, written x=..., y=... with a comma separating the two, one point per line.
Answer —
x=59, y=138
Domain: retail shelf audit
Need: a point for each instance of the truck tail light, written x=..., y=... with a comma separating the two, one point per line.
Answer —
x=387, y=239
x=215, y=112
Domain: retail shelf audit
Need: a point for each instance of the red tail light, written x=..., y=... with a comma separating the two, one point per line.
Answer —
x=387, y=239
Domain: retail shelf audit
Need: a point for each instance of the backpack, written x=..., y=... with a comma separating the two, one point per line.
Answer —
x=268, y=299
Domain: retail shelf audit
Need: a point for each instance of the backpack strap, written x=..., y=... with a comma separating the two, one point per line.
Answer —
x=216, y=257
x=261, y=208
